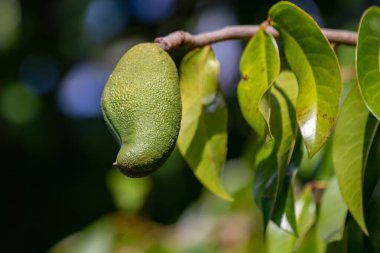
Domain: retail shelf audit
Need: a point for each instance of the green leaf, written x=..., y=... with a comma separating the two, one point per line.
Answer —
x=203, y=136
x=316, y=67
x=372, y=191
x=284, y=125
x=332, y=214
x=129, y=194
x=280, y=241
x=284, y=213
x=312, y=242
x=259, y=67
x=305, y=212
x=372, y=212
x=273, y=175
x=266, y=180
x=353, y=136
x=368, y=59
x=353, y=241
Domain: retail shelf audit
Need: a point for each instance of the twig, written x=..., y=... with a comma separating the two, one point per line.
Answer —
x=185, y=39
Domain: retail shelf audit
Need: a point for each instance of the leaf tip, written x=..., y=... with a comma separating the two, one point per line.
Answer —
x=312, y=150
x=222, y=195
x=362, y=225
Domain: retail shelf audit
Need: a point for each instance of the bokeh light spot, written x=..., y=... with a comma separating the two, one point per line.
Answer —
x=151, y=11
x=112, y=53
x=228, y=53
x=105, y=19
x=18, y=105
x=81, y=90
x=10, y=16
x=39, y=73
x=129, y=194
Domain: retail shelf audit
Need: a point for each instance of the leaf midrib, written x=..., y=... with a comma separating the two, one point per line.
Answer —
x=315, y=91
x=201, y=118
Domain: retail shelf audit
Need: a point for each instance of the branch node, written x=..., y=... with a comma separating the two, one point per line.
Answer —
x=174, y=40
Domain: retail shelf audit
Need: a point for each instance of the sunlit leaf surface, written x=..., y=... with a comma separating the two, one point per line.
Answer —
x=273, y=175
x=316, y=67
x=280, y=241
x=283, y=125
x=203, y=136
x=259, y=67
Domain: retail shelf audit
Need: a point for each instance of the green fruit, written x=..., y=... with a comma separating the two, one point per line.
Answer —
x=141, y=104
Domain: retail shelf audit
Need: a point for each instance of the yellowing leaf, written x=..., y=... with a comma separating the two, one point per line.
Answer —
x=316, y=67
x=203, y=136
x=259, y=67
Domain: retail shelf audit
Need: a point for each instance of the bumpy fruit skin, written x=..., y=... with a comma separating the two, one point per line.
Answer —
x=141, y=104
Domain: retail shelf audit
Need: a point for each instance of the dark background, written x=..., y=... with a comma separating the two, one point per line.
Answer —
x=55, y=150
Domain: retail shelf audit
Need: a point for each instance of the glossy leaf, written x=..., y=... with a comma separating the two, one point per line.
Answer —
x=259, y=67
x=316, y=67
x=280, y=241
x=353, y=136
x=368, y=58
x=272, y=161
x=266, y=180
x=203, y=136
x=332, y=214
x=284, y=211
x=284, y=125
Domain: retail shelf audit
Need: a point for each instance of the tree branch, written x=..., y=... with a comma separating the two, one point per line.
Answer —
x=185, y=39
